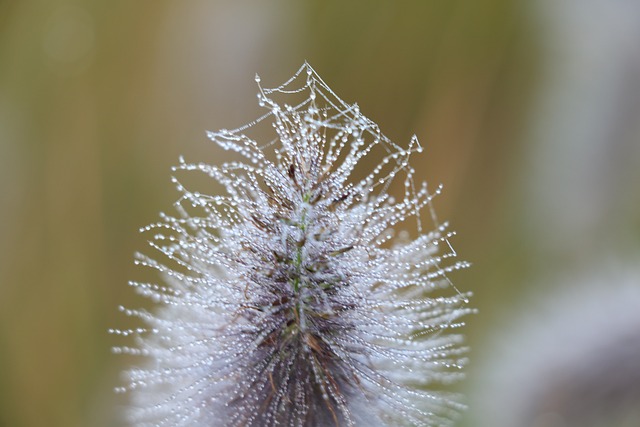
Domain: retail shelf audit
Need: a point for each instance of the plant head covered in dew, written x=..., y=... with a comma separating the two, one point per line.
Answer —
x=290, y=301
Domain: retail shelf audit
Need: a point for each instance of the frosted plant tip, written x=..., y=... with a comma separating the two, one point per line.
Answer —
x=305, y=295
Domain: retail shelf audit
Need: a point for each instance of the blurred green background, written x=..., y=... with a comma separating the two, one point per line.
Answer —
x=529, y=113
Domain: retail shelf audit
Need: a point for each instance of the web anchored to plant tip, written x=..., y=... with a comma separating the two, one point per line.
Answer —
x=290, y=300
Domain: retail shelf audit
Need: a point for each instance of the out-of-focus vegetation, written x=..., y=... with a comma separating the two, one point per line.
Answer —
x=530, y=131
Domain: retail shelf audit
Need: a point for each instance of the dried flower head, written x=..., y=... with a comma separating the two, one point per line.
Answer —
x=289, y=301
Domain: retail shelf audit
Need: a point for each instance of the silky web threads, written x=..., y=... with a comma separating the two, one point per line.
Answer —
x=290, y=300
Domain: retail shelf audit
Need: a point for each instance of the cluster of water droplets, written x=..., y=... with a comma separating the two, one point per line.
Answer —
x=290, y=300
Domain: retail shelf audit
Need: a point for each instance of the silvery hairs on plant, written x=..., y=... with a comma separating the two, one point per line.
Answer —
x=290, y=300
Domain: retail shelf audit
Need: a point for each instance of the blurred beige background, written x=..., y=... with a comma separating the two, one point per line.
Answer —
x=529, y=112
